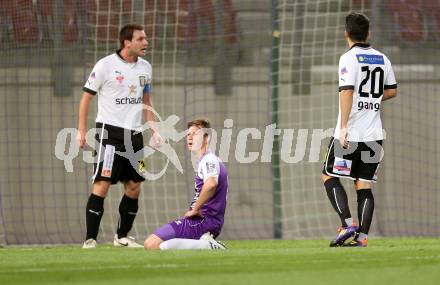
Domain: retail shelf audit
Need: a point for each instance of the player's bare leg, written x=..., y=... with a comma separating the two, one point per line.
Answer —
x=359, y=184
x=132, y=189
x=152, y=242
x=325, y=177
x=128, y=208
x=100, y=188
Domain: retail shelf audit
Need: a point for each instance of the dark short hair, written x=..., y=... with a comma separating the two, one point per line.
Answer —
x=126, y=33
x=357, y=26
x=201, y=123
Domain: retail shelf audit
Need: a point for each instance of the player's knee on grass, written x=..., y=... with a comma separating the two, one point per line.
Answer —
x=132, y=189
x=152, y=242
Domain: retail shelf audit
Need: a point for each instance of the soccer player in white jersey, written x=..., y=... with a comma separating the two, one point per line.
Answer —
x=122, y=83
x=366, y=78
x=205, y=217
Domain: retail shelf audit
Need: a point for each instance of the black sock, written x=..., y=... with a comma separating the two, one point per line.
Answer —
x=365, y=201
x=338, y=197
x=94, y=211
x=127, y=210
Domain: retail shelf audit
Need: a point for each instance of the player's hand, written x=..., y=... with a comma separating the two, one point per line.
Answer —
x=156, y=140
x=81, y=138
x=193, y=213
x=343, y=138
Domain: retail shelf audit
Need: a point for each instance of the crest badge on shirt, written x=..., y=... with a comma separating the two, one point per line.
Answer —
x=132, y=89
x=119, y=76
x=142, y=81
x=210, y=167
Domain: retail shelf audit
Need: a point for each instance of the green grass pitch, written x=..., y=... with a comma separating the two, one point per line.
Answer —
x=384, y=261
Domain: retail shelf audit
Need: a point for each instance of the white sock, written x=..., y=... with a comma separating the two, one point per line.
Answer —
x=349, y=221
x=183, y=243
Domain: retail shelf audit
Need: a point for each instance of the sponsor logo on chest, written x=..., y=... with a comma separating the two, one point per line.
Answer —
x=132, y=92
x=119, y=77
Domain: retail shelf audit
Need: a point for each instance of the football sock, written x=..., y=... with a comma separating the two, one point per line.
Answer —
x=365, y=202
x=338, y=198
x=182, y=243
x=94, y=211
x=127, y=211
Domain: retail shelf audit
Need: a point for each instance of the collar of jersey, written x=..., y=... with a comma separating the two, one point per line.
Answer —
x=203, y=155
x=118, y=53
x=361, y=45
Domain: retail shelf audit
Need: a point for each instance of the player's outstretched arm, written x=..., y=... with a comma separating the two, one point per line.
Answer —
x=82, y=118
x=389, y=93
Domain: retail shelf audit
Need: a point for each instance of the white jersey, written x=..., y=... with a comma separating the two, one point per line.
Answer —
x=209, y=166
x=368, y=72
x=120, y=86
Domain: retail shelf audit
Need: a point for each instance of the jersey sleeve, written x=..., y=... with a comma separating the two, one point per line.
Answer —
x=147, y=87
x=347, y=73
x=390, y=79
x=210, y=167
x=96, y=78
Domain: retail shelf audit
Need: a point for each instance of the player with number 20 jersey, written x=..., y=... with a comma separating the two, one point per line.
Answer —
x=366, y=79
x=368, y=72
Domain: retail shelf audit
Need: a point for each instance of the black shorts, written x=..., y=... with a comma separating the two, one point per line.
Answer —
x=359, y=162
x=110, y=165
